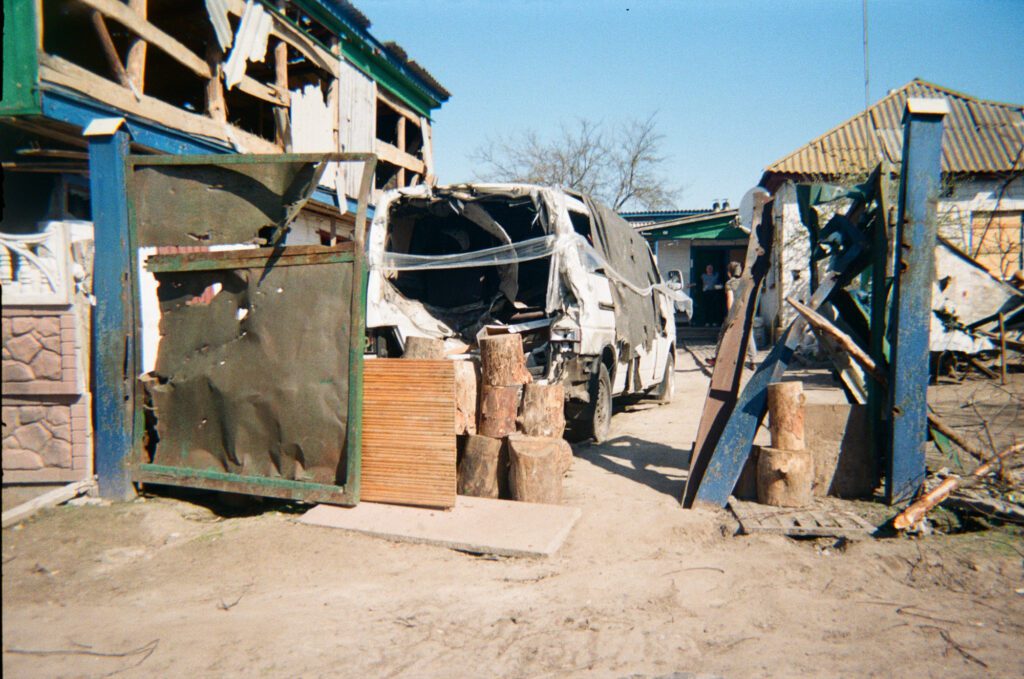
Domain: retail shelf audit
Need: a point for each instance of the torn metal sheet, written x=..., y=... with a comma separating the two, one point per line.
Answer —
x=251, y=201
x=251, y=376
x=217, y=10
x=250, y=42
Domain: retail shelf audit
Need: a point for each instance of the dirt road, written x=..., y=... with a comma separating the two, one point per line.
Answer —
x=641, y=588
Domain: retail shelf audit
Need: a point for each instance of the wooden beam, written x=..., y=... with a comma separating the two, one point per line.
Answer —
x=400, y=108
x=137, y=51
x=109, y=50
x=62, y=72
x=282, y=129
x=151, y=34
x=391, y=154
x=216, y=107
x=401, y=147
x=50, y=498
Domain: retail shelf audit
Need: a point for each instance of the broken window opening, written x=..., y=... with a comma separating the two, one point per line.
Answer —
x=508, y=293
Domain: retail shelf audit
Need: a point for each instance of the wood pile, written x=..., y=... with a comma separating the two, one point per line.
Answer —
x=510, y=443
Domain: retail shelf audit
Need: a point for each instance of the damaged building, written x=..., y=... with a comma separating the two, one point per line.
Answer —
x=980, y=208
x=199, y=78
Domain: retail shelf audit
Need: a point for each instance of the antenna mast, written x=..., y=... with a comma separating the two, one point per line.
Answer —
x=867, y=79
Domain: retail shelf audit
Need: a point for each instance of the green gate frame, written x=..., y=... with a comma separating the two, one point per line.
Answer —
x=145, y=472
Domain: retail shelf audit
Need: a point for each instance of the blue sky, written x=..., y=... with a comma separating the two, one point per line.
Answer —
x=736, y=84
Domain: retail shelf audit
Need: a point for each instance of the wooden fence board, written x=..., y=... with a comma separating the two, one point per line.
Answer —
x=409, y=449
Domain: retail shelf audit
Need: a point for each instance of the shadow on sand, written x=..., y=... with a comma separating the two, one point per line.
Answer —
x=656, y=465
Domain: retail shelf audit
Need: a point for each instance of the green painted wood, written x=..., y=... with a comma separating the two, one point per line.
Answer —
x=264, y=486
x=20, y=66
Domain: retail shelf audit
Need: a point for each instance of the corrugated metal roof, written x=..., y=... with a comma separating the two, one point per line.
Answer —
x=980, y=136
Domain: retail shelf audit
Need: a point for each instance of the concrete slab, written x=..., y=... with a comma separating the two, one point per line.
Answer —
x=477, y=525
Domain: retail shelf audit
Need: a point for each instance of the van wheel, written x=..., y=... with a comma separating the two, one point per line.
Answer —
x=667, y=389
x=598, y=415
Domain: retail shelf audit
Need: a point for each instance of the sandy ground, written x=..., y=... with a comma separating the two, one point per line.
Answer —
x=640, y=589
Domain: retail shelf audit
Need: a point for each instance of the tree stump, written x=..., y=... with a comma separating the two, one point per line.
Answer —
x=424, y=348
x=467, y=396
x=785, y=477
x=535, y=469
x=483, y=470
x=543, y=412
x=498, y=409
x=786, y=413
x=502, y=361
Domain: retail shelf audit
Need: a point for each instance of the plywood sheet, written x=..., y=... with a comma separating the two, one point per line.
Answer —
x=409, y=449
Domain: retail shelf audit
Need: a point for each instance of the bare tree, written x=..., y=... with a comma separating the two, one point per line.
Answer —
x=621, y=167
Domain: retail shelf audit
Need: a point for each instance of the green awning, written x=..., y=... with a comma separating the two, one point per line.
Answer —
x=713, y=228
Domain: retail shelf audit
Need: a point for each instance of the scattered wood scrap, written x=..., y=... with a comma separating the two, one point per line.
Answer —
x=818, y=522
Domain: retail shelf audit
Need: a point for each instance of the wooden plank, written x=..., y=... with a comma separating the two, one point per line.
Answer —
x=49, y=499
x=394, y=155
x=723, y=390
x=409, y=450
x=62, y=72
x=136, y=65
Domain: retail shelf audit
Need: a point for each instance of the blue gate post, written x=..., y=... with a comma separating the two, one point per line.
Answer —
x=911, y=313
x=113, y=355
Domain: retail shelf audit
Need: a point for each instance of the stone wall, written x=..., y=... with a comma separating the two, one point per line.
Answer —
x=46, y=428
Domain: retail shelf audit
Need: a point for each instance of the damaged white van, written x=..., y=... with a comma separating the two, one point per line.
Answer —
x=565, y=271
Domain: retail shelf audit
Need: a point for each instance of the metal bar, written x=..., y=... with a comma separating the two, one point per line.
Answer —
x=910, y=316
x=114, y=357
x=165, y=263
x=357, y=339
x=266, y=486
x=252, y=158
x=731, y=352
x=878, y=411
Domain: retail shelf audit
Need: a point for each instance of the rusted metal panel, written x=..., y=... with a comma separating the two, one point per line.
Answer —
x=251, y=374
x=409, y=449
x=257, y=383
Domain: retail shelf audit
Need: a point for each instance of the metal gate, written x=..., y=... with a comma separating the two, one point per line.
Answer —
x=249, y=351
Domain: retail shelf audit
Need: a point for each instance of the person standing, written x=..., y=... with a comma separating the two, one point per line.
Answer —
x=710, y=284
x=732, y=286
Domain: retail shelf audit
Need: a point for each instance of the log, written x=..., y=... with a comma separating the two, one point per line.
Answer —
x=543, y=412
x=426, y=348
x=786, y=410
x=503, y=363
x=483, y=469
x=560, y=447
x=535, y=469
x=784, y=477
x=467, y=396
x=915, y=512
x=498, y=409
x=857, y=354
